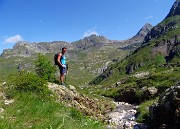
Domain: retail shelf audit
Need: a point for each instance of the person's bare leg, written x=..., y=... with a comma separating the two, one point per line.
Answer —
x=62, y=78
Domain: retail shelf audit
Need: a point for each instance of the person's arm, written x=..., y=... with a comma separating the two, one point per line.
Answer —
x=58, y=59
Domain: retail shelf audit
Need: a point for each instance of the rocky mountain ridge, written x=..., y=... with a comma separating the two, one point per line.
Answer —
x=26, y=49
x=175, y=10
x=136, y=41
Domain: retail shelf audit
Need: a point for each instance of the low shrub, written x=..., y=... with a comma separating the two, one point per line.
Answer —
x=26, y=82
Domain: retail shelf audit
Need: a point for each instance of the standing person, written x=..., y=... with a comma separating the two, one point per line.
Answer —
x=62, y=65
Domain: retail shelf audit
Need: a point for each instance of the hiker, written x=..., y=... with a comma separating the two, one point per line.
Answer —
x=61, y=59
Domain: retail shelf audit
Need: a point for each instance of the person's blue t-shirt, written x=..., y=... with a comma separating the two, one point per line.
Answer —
x=63, y=60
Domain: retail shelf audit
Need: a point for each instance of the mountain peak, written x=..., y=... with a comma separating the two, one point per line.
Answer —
x=175, y=10
x=94, y=36
x=144, y=30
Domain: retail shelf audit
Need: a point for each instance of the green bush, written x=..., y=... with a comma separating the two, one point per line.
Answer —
x=159, y=60
x=44, y=68
x=75, y=114
x=26, y=82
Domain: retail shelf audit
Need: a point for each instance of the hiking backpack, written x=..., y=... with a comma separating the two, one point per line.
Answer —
x=55, y=59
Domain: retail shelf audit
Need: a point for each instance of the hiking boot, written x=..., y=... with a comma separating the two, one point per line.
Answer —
x=63, y=84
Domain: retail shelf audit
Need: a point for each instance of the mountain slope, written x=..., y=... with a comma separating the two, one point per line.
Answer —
x=139, y=37
x=136, y=41
x=175, y=10
x=160, y=47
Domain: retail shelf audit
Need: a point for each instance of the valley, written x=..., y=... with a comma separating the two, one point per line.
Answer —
x=133, y=83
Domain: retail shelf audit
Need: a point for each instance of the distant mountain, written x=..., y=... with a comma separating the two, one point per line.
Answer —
x=25, y=49
x=91, y=41
x=138, y=39
x=144, y=31
x=175, y=10
x=99, y=41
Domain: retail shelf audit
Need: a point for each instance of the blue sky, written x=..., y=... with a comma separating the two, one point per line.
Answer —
x=71, y=20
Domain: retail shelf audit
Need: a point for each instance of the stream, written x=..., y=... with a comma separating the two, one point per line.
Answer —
x=123, y=117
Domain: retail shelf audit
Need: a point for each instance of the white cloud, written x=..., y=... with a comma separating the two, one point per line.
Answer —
x=13, y=39
x=90, y=32
x=148, y=17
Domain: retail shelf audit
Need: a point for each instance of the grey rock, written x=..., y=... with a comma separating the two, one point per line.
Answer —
x=149, y=92
x=166, y=113
x=1, y=110
x=175, y=10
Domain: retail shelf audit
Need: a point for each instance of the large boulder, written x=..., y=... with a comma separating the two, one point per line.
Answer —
x=126, y=95
x=135, y=95
x=149, y=92
x=166, y=113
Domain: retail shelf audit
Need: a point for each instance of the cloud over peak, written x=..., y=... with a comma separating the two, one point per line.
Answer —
x=90, y=32
x=13, y=39
x=148, y=17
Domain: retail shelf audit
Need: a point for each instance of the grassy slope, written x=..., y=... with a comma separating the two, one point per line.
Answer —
x=30, y=111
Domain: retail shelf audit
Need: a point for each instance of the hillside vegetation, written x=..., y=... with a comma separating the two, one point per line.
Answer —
x=27, y=102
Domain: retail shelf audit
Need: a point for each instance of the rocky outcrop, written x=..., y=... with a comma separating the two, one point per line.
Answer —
x=3, y=97
x=166, y=113
x=141, y=74
x=133, y=66
x=91, y=107
x=120, y=117
x=160, y=29
x=148, y=92
x=136, y=95
x=127, y=95
x=175, y=10
x=168, y=48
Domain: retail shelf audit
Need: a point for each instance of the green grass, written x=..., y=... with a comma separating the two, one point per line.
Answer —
x=170, y=19
x=160, y=77
x=30, y=111
x=143, y=111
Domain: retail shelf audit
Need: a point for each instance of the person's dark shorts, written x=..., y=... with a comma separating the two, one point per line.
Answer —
x=62, y=69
